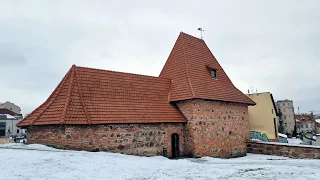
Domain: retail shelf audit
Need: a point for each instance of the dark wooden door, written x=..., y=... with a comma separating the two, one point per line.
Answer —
x=175, y=145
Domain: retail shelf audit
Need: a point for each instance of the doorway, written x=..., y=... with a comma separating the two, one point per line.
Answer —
x=2, y=129
x=175, y=145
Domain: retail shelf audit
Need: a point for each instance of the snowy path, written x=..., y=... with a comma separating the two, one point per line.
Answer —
x=20, y=164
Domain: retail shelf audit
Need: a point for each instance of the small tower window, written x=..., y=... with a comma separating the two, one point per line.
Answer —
x=214, y=74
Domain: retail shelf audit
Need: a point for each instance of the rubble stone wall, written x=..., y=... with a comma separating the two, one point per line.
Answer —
x=215, y=128
x=134, y=139
x=283, y=149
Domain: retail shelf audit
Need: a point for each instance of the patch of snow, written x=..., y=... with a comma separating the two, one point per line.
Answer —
x=282, y=135
x=249, y=156
x=8, y=116
x=294, y=141
x=21, y=164
x=28, y=146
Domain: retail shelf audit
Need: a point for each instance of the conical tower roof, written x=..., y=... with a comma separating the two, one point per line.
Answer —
x=189, y=66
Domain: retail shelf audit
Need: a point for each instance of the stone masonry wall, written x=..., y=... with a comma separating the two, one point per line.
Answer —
x=135, y=139
x=283, y=149
x=217, y=129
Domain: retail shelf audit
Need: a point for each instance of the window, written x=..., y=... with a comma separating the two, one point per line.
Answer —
x=17, y=131
x=285, y=124
x=272, y=111
x=214, y=74
x=284, y=117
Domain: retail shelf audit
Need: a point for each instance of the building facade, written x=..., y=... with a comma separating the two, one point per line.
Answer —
x=10, y=106
x=191, y=109
x=286, y=116
x=263, y=117
x=317, y=125
x=305, y=122
x=8, y=126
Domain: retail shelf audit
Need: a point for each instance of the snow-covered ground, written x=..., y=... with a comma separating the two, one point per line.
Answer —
x=295, y=141
x=35, y=162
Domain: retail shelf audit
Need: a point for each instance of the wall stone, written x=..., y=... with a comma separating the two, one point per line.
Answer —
x=214, y=128
x=134, y=139
x=283, y=149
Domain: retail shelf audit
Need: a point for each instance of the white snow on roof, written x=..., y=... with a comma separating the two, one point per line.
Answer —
x=282, y=135
x=9, y=116
x=318, y=121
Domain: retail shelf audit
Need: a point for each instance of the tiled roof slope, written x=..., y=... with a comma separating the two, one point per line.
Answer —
x=188, y=66
x=92, y=96
x=7, y=111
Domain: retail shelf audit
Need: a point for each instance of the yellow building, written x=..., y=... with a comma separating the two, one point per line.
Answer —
x=263, y=118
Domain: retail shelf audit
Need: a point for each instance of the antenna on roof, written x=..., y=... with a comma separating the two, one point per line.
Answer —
x=201, y=30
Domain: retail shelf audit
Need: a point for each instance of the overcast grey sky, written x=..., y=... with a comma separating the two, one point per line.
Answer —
x=271, y=45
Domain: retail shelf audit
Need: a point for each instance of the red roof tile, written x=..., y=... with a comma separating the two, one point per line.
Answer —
x=189, y=65
x=304, y=117
x=93, y=96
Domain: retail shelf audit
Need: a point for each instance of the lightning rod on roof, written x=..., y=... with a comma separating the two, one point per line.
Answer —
x=201, y=30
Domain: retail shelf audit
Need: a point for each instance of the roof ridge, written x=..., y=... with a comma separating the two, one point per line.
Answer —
x=221, y=67
x=185, y=63
x=114, y=71
x=81, y=97
x=217, y=61
x=191, y=35
x=57, y=90
x=63, y=115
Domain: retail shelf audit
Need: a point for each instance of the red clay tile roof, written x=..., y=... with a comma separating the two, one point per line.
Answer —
x=189, y=65
x=92, y=96
x=304, y=117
